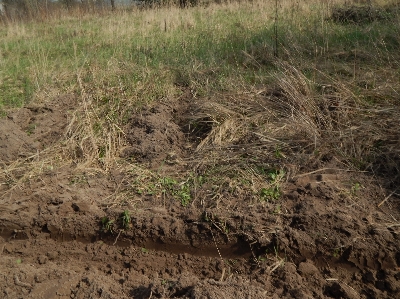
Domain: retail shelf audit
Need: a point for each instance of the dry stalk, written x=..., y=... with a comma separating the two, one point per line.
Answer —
x=387, y=197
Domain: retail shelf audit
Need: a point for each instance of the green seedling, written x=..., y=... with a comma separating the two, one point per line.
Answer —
x=108, y=224
x=151, y=189
x=126, y=219
x=276, y=175
x=355, y=188
x=31, y=129
x=144, y=250
x=169, y=187
x=200, y=180
x=179, y=191
x=278, y=153
x=168, y=184
x=336, y=252
x=261, y=258
x=184, y=194
x=273, y=192
x=78, y=179
x=277, y=209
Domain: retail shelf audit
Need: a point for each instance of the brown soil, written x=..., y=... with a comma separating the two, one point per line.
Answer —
x=327, y=237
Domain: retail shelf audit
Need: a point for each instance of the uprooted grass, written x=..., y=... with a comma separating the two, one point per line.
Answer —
x=293, y=126
x=330, y=97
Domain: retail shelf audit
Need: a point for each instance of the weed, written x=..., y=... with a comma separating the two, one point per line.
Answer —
x=355, y=188
x=278, y=153
x=184, y=194
x=166, y=187
x=277, y=209
x=200, y=180
x=108, y=224
x=273, y=191
x=102, y=151
x=276, y=175
x=261, y=258
x=144, y=250
x=78, y=179
x=31, y=129
x=336, y=252
x=126, y=219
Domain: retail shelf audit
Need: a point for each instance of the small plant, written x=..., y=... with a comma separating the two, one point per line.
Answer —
x=150, y=190
x=184, y=194
x=273, y=192
x=31, y=129
x=355, y=188
x=261, y=258
x=336, y=252
x=278, y=153
x=276, y=175
x=277, y=209
x=169, y=187
x=179, y=191
x=144, y=250
x=108, y=224
x=78, y=179
x=126, y=219
x=200, y=180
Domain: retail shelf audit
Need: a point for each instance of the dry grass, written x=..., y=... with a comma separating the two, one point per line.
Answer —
x=254, y=110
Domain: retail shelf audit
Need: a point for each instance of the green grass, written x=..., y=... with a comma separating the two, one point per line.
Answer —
x=142, y=52
x=131, y=49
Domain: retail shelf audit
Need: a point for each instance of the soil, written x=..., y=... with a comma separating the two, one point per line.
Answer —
x=327, y=238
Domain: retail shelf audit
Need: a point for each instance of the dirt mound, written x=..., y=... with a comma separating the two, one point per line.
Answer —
x=316, y=247
x=154, y=136
x=71, y=232
x=14, y=142
x=33, y=128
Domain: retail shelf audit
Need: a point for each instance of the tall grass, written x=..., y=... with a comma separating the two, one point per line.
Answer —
x=328, y=83
x=134, y=48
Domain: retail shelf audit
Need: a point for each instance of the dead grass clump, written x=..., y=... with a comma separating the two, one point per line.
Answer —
x=302, y=117
x=333, y=118
x=257, y=56
x=21, y=171
x=363, y=14
x=94, y=134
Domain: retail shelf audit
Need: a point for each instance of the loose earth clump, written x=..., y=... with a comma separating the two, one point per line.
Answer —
x=152, y=134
